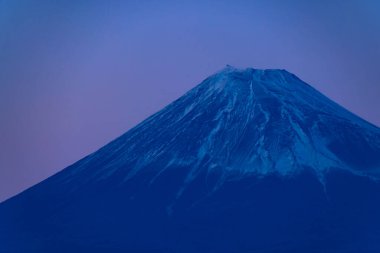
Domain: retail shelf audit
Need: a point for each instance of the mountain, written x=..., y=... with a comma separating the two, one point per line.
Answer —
x=247, y=161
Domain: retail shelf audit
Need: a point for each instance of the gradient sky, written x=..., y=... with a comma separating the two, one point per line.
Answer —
x=76, y=74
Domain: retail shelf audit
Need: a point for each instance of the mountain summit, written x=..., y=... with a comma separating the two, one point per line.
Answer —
x=247, y=161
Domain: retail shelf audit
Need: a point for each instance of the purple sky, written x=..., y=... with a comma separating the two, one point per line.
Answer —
x=76, y=74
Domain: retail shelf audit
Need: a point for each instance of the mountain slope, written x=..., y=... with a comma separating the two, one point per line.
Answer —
x=247, y=161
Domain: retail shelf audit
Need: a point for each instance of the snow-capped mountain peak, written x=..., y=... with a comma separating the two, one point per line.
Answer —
x=237, y=123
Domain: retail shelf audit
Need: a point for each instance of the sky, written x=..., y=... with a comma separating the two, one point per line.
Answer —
x=76, y=74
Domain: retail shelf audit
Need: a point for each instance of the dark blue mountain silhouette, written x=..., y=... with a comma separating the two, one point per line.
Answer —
x=248, y=161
